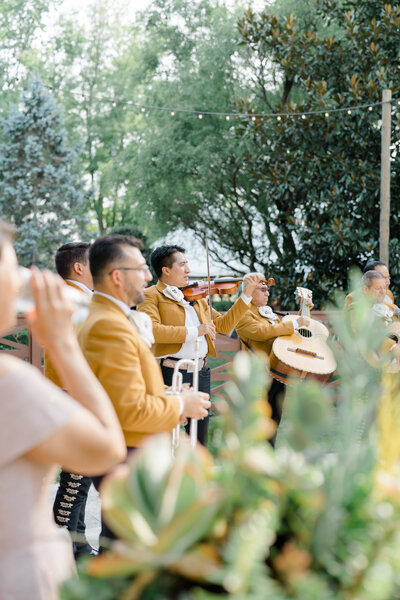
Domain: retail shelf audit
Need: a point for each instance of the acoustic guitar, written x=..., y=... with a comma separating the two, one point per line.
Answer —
x=304, y=353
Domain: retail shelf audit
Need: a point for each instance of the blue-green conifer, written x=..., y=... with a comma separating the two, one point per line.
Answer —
x=39, y=192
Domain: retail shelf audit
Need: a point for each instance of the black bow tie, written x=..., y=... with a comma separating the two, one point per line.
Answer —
x=192, y=302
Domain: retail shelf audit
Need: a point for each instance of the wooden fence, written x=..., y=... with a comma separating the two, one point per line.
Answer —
x=31, y=351
x=225, y=347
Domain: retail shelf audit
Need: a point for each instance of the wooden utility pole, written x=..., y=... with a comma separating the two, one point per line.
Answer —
x=384, y=221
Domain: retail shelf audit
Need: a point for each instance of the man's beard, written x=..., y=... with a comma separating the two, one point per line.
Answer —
x=138, y=298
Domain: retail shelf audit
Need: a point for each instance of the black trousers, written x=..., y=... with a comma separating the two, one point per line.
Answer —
x=276, y=395
x=204, y=386
x=70, y=504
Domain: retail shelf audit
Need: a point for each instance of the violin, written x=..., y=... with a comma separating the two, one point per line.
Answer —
x=224, y=285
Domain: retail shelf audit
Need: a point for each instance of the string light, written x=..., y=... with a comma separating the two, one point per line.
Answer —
x=173, y=111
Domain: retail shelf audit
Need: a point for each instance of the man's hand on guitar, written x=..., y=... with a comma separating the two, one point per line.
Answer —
x=303, y=321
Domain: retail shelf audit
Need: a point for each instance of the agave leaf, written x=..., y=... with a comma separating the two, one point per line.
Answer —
x=120, y=513
x=202, y=563
x=117, y=504
x=188, y=476
x=113, y=565
x=145, y=483
x=134, y=591
x=189, y=526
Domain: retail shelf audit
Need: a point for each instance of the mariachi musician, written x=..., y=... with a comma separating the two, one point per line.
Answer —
x=258, y=329
x=381, y=268
x=177, y=323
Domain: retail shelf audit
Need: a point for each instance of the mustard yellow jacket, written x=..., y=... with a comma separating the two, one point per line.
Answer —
x=258, y=332
x=168, y=319
x=128, y=371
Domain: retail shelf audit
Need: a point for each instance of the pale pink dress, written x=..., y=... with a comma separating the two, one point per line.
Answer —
x=35, y=555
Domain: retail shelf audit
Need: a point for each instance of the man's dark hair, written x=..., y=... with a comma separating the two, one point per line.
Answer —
x=68, y=254
x=163, y=257
x=106, y=251
x=372, y=264
x=369, y=276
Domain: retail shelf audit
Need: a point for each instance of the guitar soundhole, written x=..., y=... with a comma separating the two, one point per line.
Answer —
x=306, y=333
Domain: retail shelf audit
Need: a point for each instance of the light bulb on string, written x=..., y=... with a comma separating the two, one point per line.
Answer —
x=349, y=112
x=172, y=113
x=83, y=97
x=227, y=117
x=143, y=109
x=279, y=118
x=253, y=118
x=303, y=117
x=327, y=114
x=369, y=108
x=114, y=104
x=200, y=116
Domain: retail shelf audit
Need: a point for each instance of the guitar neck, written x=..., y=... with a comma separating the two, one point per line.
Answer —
x=304, y=308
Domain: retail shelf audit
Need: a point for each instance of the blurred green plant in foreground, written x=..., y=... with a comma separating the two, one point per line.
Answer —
x=316, y=519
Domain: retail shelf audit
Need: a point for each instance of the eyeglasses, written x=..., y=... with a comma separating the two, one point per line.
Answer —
x=145, y=268
x=263, y=289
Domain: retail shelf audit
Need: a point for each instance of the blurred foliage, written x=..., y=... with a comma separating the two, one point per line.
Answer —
x=296, y=198
x=316, y=519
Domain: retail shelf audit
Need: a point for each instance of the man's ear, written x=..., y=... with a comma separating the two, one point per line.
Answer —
x=77, y=268
x=165, y=271
x=116, y=277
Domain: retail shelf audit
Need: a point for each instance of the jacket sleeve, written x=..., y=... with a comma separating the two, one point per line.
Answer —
x=253, y=329
x=163, y=334
x=114, y=357
x=225, y=323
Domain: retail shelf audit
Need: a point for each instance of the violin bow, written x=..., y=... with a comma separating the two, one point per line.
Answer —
x=208, y=279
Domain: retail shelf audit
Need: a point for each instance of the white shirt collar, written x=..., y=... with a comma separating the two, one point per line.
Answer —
x=82, y=286
x=124, y=307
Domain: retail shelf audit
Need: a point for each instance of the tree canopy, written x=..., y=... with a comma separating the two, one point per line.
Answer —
x=295, y=197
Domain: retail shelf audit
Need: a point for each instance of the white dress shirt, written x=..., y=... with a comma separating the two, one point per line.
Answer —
x=192, y=322
x=82, y=286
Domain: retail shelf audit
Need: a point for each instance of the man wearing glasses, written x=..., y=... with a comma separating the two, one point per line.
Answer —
x=258, y=328
x=379, y=267
x=116, y=342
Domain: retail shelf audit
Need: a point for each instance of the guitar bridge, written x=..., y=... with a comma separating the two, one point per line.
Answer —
x=305, y=352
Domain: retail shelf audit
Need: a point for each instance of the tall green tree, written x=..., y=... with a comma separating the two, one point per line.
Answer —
x=92, y=68
x=295, y=197
x=38, y=192
x=20, y=22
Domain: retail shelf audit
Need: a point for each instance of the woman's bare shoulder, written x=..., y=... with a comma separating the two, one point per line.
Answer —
x=9, y=364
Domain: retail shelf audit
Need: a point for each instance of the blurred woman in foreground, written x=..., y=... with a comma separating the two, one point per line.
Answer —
x=42, y=427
